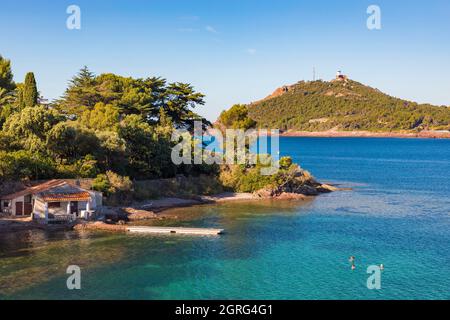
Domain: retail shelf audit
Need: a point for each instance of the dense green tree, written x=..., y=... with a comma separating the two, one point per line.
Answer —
x=25, y=165
x=87, y=167
x=102, y=123
x=80, y=95
x=20, y=103
x=118, y=188
x=101, y=117
x=5, y=97
x=6, y=76
x=29, y=91
x=139, y=145
x=30, y=127
x=68, y=140
x=237, y=118
x=6, y=110
x=149, y=98
x=6, y=106
x=6, y=142
x=7, y=87
x=178, y=103
x=113, y=152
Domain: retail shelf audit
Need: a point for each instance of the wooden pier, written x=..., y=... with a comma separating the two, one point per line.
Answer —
x=176, y=230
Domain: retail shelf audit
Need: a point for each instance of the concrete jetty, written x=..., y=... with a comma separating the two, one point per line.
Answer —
x=175, y=230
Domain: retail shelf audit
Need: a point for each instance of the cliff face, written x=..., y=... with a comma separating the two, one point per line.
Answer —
x=344, y=105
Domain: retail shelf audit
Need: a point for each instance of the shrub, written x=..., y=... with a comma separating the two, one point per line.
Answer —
x=117, y=189
x=101, y=183
x=288, y=178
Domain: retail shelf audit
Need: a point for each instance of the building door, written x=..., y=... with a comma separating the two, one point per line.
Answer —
x=27, y=208
x=74, y=207
x=19, y=208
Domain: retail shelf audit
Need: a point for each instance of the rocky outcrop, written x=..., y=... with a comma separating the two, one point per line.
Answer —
x=100, y=226
x=290, y=191
x=138, y=214
x=290, y=196
x=267, y=192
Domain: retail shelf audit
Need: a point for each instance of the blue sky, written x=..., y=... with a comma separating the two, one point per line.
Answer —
x=234, y=51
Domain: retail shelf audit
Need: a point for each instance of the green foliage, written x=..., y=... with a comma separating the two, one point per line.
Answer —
x=88, y=167
x=7, y=87
x=119, y=189
x=149, y=98
x=118, y=183
x=30, y=128
x=102, y=124
x=29, y=91
x=147, y=152
x=80, y=95
x=181, y=186
x=5, y=97
x=101, y=117
x=20, y=103
x=319, y=106
x=249, y=178
x=112, y=183
x=285, y=163
x=6, y=76
x=101, y=183
x=178, y=101
x=69, y=140
x=25, y=165
x=82, y=168
x=237, y=118
x=5, y=111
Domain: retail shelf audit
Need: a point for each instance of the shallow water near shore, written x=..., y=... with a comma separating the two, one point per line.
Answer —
x=397, y=214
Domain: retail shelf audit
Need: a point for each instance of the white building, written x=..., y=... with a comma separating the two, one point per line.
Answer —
x=55, y=200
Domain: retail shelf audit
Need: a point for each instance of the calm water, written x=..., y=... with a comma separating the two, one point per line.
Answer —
x=398, y=214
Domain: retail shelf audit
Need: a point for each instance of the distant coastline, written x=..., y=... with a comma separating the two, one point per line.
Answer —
x=426, y=134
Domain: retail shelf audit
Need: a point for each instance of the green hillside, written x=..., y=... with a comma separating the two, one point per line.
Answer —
x=344, y=105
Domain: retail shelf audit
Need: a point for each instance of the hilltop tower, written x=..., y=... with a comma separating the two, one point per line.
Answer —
x=340, y=76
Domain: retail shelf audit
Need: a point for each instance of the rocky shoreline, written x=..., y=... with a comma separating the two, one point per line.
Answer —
x=118, y=218
x=426, y=134
x=115, y=219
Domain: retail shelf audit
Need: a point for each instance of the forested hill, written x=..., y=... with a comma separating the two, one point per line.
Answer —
x=344, y=105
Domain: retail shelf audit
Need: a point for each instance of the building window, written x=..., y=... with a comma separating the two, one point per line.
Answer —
x=6, y=204
x=27, y=199
x=53, y=205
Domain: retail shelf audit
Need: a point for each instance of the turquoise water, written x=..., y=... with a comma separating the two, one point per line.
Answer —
x=397, y=214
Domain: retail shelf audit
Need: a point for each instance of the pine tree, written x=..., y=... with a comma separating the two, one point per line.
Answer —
x=84, y=78
x=30, y=93
x=80, y=94
x=164, y=119
x=6, y=76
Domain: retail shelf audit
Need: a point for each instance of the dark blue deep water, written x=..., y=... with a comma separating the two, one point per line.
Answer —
x=397, y=214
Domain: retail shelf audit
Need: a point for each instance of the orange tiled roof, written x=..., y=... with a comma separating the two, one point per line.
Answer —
x=34, y=189
x=80, y=196
x=53, y=190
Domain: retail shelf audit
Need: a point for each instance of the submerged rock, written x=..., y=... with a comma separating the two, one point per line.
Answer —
x=100, y=226
x=136, y=214
x=290, y=196
x=325, y=188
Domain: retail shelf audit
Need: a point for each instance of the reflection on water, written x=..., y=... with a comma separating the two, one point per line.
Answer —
x=30, y=257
